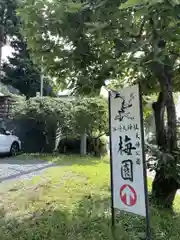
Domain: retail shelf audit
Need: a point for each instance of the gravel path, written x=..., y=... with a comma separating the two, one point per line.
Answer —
x=12, y=169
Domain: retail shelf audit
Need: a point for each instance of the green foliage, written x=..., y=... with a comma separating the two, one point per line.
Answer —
x=91, y=116
x=19, y=70
x=131, y=3
x=71, y=117
x=8, y=19
x=85, y=43
x=50, y=112
x=70, y=51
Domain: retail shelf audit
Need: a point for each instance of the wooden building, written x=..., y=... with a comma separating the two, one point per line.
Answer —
x=6, y=103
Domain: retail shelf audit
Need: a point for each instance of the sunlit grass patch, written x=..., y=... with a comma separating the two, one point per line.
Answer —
x=72, y=201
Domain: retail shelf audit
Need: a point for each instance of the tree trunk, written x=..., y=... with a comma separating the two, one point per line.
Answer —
x=58, y=136
x=96, y=147
x=159, y=110
x=171, y=123
x=164, y=188
x=83, y=144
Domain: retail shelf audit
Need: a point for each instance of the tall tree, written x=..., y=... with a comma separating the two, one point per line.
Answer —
x=21, y=73
x=87, y=42
x=8, y=21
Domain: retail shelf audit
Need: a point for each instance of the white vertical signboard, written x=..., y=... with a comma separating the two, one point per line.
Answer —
x=127, y=156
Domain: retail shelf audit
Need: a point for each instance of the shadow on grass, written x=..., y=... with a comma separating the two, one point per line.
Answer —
x=83, y=223
x=89, y=219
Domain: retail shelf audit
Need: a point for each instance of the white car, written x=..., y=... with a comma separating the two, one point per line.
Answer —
x=9, y=143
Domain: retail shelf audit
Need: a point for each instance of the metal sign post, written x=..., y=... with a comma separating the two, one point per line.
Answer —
x=148, y=228
x=111, y=163
x=128, y=167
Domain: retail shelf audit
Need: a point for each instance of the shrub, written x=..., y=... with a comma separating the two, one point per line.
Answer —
x=56, y=118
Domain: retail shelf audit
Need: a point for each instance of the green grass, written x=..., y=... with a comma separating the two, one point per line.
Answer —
x=72, y=201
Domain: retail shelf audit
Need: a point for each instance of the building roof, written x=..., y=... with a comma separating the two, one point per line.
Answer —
x=6, y=90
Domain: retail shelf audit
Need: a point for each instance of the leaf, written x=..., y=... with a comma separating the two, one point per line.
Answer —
x=175, y=2
x=73, y=7
x=142, y=235
x=96, y=26
x=130, y=4
x=137, y=3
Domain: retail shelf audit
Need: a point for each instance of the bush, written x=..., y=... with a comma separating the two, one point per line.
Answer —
x=55, y=118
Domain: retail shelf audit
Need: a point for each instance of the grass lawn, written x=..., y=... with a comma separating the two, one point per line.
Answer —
x=72, y=201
